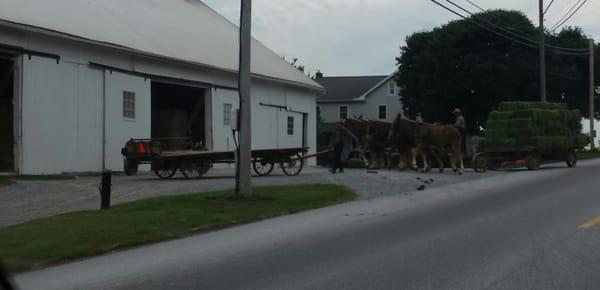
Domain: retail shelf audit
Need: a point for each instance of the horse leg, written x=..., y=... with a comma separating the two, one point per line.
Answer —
x=413, y=153
x=459, y=153
x=453, y=160
x=439, y=160
x=425, y=163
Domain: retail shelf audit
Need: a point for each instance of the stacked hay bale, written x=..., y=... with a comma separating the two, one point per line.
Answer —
x=526, y=126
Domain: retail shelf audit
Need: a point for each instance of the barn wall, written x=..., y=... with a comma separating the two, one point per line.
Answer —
x=269, y=123
x=62, y=117
x=118, y=128
x=62, y=104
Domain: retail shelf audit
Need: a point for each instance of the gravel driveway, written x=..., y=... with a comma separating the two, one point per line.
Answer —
x=29, y=200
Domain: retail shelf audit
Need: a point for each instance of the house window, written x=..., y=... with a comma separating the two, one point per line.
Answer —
x=392, y=89
x=343, y=114
x=382, y=112
x=129, y=105
x=227, y=114
x=290, y=125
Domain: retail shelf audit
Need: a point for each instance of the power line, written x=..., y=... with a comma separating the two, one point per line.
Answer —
x=477, y=6
x=519, y=35
x=556, y=26
x=575, y=3
x=530, y=45
x=548, y=7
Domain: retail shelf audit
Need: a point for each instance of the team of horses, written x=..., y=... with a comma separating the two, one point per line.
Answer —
x=410, y=139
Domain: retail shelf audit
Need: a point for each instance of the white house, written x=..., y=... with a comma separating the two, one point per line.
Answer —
x=80, y=78
x=373, y=97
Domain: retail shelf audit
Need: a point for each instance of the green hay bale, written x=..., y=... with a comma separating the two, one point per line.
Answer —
x=580, y=141
x=496, y=125
x=515, y=106
x=496, y=144
x=497, y=115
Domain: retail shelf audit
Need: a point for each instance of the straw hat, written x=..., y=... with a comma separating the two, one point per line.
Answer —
x=457, y=111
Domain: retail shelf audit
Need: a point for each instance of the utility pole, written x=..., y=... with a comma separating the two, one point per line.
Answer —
x=542, y=55
x=592, y=93
x=244, y=178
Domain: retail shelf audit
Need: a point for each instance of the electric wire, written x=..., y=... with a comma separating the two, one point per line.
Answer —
x=514, y=33
x=558, y=25
x=504, y=35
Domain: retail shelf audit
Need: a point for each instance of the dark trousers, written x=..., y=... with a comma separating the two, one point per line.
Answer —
x=337, y=157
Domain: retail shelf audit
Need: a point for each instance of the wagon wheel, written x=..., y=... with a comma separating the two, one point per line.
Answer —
x=533, y=161
x=292, y=166
x=481, y=162
x=166, y=171
x=194, y=169
x=130, y=167
x=571, y=159
x=263, y=167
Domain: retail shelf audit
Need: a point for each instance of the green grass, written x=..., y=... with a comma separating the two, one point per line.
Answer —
x=5, y=181
x=42, y=177
x=82, y=234
x=587, y=155
x=10, y=180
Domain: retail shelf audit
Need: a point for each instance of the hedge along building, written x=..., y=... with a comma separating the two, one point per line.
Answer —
x=80, y=78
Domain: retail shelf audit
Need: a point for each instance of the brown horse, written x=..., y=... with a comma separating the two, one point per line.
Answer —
x=375, y=143
x=419, y=138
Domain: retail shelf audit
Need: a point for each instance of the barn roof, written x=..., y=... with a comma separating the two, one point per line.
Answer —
x=183, y=30
x=348, y=88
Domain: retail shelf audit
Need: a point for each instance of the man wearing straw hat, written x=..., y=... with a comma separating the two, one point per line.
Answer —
x=342, y=145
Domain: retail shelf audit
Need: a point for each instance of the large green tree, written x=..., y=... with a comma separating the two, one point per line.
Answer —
x=463, y=65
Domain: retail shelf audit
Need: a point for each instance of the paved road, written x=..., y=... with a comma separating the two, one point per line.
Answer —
x=36, y=199
x=514, y=231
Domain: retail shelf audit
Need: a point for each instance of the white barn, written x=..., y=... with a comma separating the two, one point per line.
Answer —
x=79, y=78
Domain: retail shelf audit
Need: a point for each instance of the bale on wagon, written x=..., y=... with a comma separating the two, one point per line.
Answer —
x=533, y=130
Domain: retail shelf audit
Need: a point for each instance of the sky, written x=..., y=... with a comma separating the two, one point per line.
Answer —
x=363, y=37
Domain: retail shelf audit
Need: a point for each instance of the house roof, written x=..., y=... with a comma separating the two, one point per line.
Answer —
x=348, y=89
x=182, y=30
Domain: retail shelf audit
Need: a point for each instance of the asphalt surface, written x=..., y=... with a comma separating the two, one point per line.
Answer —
x=524, y=230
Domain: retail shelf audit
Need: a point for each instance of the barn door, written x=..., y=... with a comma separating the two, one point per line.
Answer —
x=6, y=114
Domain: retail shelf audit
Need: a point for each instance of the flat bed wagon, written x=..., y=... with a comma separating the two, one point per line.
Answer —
x=167, y=156
x=531, y=132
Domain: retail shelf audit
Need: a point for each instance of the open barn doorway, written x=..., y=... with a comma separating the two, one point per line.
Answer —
x=6, y=113
x=178, y=111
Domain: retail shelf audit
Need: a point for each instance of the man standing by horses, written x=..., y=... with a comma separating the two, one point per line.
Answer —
x=342, y=142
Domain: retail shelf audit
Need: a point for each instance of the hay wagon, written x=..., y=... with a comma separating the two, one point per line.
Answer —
x=533, y=132
x=167, y=156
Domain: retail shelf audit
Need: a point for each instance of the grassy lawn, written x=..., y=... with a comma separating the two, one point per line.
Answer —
x=9, y=180
x=5, y=180
x=587, y=155
x=81, y=234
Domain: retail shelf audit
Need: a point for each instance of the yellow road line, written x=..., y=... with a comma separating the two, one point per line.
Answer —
x=591, y=223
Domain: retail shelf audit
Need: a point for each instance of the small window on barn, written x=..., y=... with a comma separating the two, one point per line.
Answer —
x=227, y=114
x=343, y=114
x=382, y=112
x=129, y=105
x=290, y=125
x=392, y=88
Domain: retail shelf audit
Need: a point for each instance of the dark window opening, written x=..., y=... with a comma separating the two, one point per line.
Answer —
x=6, y=114
x=290, y=125
x=178, y=112
x=382, y=113
x=343, y=112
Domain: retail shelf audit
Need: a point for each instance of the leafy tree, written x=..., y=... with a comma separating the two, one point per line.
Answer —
x=462, y=65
